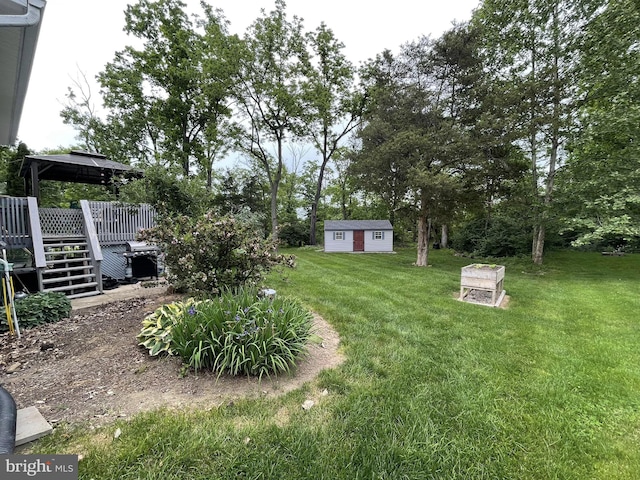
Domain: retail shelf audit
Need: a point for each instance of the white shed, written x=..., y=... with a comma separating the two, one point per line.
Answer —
x=358, y=236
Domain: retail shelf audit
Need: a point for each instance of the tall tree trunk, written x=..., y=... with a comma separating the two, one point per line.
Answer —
x=539, y=239
x=423, y=241
x=538, y=244
x=534, y=152
x=313, y=218
x=316, y=200
x=275, y=184
x=444, y=237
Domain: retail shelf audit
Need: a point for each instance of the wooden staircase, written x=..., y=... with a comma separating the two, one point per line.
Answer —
x=70, y=268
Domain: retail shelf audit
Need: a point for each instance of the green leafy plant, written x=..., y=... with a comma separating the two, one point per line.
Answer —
x=40, y=308
x=241, y=334
x=155, y=335
x=207, y=253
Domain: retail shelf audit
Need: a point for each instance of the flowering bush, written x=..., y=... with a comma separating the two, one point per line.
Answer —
x=242, y=334
x=208, y=253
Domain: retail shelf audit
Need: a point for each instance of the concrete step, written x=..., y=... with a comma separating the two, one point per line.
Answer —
x=30, y=425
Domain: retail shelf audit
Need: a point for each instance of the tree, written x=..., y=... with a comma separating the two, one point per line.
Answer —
x=599, y=187
x=415, y=141
x=269, y=93
x=14, y=182
x=332, y=106
x=168, y=102
x=532, y=45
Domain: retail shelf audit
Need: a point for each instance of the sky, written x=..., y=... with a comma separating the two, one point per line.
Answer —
x=79, y=37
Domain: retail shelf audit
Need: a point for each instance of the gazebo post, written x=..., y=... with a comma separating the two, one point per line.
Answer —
x=35, y=181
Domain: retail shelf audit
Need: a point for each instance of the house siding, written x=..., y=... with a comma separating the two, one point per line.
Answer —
x=346, y=245
x=384, y=244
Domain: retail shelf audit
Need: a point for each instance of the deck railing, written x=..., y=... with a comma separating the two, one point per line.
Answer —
x=14, y=222
x=114, y=222
x=117, y=223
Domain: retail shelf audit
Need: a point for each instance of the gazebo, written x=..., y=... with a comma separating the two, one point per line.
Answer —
x=75, y=166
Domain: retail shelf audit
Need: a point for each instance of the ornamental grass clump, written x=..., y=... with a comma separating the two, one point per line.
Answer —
x=242, y=334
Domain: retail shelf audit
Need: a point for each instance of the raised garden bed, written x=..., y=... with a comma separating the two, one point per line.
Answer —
x=482, y=284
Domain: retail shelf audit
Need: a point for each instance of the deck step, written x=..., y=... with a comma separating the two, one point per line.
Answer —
x=48, y=238
x=92, y=293
x=64, y=252
x=72, y=278
x=63, y=245
x=67, y=260
x=67, y=288
x=68, y=269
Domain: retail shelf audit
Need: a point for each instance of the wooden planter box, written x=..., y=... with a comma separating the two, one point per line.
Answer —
x=482, y=278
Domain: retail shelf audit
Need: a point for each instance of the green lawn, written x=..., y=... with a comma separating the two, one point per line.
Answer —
x=431, y=388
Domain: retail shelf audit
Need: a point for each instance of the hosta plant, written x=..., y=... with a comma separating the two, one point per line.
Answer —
x=40, y=308
x=242, y=334
x=155, y=335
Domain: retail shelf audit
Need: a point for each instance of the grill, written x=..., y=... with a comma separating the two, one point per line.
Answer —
x=142, y=260
x=141, y=248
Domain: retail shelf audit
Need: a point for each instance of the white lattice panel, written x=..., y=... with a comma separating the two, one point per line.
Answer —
x=61, y=221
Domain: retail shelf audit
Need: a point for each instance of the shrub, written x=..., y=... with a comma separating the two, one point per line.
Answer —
x=40, y=308
x=294, y=233
x=241, y=334
x=208, y=253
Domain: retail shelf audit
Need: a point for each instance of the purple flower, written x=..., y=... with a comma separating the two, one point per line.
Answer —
x=237, y=318
x=192, y=310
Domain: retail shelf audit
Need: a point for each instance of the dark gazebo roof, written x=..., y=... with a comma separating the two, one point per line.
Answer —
x=76, y=166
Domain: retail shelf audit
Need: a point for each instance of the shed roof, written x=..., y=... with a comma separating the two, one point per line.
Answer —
x=357, y=225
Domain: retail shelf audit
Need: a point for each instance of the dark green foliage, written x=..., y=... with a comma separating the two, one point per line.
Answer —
x=294, y=233
x=495, y=237
x=15, y=183
x=40, y=308
x=242, y=334
x=168, y=194
x=206, y=253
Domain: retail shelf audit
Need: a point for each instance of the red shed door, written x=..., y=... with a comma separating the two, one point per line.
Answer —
x=358, y=240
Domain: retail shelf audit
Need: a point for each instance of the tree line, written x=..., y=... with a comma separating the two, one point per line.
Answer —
x=508, y=133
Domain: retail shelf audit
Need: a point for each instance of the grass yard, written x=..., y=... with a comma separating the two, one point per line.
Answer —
x=432, y=387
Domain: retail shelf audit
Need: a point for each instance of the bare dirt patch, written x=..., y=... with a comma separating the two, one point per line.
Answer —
x=89, y=368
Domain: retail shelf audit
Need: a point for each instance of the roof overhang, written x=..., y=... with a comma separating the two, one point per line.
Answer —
x=77, y=167
x=20, y=22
